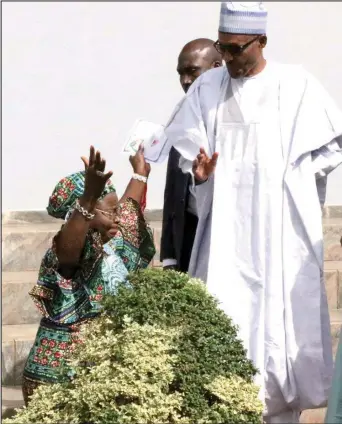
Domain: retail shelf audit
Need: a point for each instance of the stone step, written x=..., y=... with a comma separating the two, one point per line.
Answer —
x=24, y=244
x=313, y=416
x=12, y=398
x=333, y=283
x=27, y=235
x=335, y=327
x=18, y=307
x=332, y=231
x=17, y=341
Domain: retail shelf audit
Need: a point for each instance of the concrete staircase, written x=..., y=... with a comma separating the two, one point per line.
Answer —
x=26, y=237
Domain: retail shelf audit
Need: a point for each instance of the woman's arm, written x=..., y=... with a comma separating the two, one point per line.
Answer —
x=60, y=298
x=134, y=241
x=136, y=188
x=70, y=241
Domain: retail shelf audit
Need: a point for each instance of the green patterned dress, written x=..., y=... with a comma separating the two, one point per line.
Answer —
x=66, y=304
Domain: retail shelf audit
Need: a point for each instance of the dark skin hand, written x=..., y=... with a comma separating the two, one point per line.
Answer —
x=135, y=188
x=70, y=241
x=203, y=166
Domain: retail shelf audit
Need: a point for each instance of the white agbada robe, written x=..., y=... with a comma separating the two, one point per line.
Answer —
x=259, y=239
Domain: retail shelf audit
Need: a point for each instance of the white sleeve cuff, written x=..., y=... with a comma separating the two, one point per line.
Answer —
x=169, y=262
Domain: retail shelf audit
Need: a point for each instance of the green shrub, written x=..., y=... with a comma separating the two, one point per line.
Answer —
x=120, y=378
x=175, y=360
x=208, y=346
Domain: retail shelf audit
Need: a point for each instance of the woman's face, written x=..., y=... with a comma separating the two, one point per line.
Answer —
x=106, y=217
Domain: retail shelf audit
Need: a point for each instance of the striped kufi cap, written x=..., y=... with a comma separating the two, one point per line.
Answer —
x=243, y=18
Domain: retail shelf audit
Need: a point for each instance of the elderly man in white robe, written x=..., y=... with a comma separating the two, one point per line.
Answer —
x=260, y=139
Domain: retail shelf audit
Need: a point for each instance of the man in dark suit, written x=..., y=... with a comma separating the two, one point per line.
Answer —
x=179, y=213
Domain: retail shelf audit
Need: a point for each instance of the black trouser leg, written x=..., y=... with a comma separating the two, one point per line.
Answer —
x=188, y=240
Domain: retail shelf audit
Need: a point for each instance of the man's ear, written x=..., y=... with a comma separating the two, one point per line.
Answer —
x=263, y=41
x=216, y=64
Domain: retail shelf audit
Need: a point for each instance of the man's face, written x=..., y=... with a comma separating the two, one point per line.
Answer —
x=241, y=65
x=190, y=66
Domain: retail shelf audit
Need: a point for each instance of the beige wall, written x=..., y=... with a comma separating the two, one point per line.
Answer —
x=81, y=73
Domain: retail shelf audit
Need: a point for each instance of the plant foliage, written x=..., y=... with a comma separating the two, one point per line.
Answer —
x=162, y=352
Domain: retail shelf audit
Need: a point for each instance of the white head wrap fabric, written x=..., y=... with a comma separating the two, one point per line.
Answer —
x=243, y=18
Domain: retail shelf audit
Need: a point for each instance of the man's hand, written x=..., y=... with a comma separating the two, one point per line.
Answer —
x=203, y=166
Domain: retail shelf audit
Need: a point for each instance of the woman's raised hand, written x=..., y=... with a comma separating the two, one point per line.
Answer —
x=95, y=178
x=139, y=165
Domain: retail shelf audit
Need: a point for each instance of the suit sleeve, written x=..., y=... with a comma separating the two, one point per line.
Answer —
x=167, y=250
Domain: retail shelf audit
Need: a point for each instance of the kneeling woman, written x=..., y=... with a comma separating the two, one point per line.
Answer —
x=102, y=240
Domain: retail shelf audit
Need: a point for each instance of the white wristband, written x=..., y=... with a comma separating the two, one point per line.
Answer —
x=139, y=178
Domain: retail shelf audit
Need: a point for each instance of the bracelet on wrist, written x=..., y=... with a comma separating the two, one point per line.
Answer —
x=87, y=215
x=139, y=178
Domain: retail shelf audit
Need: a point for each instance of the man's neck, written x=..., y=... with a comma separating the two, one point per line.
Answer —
x=258, y=68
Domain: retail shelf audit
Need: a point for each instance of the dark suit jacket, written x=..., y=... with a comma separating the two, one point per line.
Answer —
x=175, y=203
